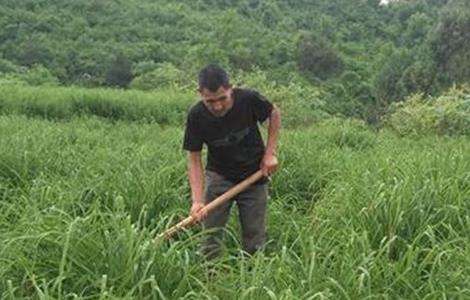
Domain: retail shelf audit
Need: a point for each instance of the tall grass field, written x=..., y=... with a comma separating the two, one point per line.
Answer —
x=88, y=178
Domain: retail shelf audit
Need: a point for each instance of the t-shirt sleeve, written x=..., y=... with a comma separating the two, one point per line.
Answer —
x=192, y=137
x=261, y=106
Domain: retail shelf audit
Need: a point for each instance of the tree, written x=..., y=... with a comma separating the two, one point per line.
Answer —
x=388, y=82
x=450, y=41
x=119, y=72
x=316, y=58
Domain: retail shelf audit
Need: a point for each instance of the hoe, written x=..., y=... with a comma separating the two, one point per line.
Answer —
x=189, y=221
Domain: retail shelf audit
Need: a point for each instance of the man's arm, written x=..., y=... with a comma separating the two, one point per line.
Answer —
x=269, y=163
x=195, y=174
x=196, y=181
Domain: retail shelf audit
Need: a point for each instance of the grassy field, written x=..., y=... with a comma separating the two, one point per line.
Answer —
x=353, y=213
x=166, y=107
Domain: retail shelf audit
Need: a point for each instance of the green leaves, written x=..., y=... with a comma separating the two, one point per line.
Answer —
x=448, y=114
x=352, y=214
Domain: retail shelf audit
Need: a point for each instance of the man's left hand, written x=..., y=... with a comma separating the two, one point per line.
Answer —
x=269, y=164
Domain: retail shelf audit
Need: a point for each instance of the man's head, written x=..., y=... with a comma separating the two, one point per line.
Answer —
x=215, y=90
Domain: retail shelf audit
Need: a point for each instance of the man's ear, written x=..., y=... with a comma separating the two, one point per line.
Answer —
x=227, y=87
x=199, y=91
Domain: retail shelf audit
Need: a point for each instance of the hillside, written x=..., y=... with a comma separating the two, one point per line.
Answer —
x=361, y=54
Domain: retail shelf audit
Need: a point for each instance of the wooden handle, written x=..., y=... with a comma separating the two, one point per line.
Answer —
x=212, y=205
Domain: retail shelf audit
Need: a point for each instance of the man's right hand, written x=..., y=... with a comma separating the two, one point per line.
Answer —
x=196, y=212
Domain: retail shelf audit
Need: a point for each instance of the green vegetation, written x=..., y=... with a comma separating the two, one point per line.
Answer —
x=166, y=107
x=93, y=98
x=448, y=114
x=361, y=55
x=353, y=214
x=59, y=103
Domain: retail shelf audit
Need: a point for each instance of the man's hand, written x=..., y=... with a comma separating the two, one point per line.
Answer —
x=269, y=164
x=196, y=212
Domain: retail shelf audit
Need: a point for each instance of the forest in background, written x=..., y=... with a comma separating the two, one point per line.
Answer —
x=358, y=57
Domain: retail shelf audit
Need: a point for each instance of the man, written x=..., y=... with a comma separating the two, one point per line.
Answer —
x=226, y=120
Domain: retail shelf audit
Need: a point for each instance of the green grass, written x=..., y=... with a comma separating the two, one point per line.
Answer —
x=64, y=103
x=301, y=106
x=353, y=214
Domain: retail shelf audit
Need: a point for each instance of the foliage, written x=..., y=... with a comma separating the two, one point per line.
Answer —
x=119, y=72
x=301, y=106
x=88, y=176
x=352, y=215
x=448, y=114
x=450, y=42
x=316, y=58
x=59, y=103
x=37, y=75
x=164, y=75
x=389, y=85
x=403, y=73
x=287, y=40
x=7, y=66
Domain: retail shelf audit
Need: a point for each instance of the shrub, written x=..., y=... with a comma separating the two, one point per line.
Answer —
x=119, y=72
x=165, y=75
x=300, y=103
x=448, y=114
x=7, y=67
x=39, y=75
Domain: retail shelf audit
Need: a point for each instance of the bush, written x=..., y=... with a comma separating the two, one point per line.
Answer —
x=39, y=75
x=388, y=83
x=165, y=75
x=300, y=103
x=448, y=114
x=7, y=67
x=350, y=97
x=119, y=72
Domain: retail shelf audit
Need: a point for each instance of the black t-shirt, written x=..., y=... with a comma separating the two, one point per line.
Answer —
x=235, y=146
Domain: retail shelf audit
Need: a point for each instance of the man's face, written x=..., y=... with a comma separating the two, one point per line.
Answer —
x=219, y=102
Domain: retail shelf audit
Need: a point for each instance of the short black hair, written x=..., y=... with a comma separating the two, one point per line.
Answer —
x=212, y=77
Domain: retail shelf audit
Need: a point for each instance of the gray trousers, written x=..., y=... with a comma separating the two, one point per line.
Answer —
x=251, y=204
